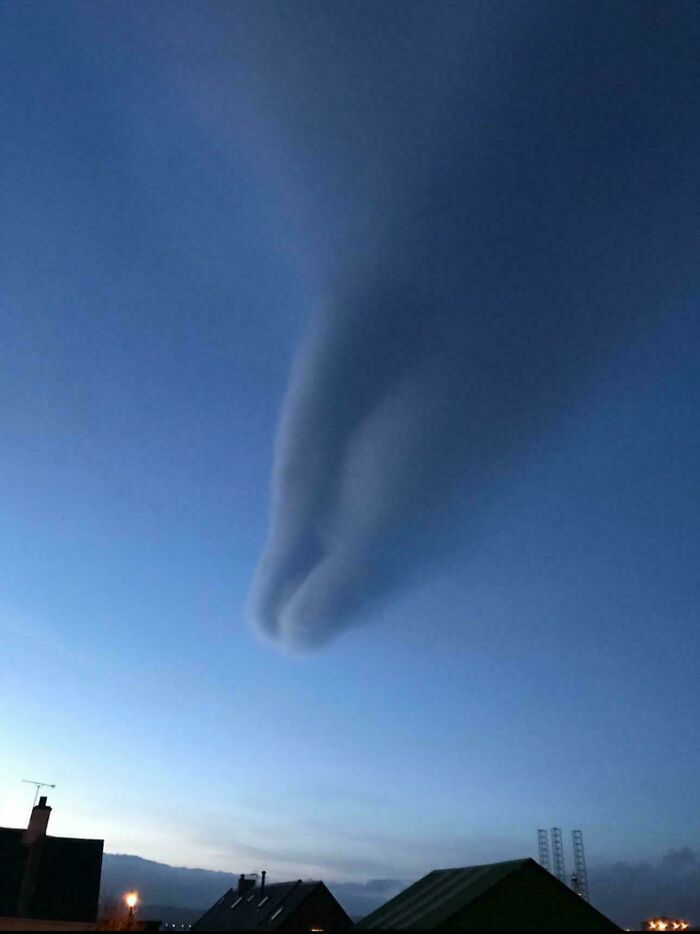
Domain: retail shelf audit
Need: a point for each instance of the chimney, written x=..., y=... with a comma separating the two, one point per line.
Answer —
x=33, y=839
x=245, y=885
x=262, y=883
x=38, y=822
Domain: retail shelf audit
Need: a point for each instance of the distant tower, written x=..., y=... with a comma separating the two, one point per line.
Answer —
x=558, y=855
x=543, y=847
x=579, y=865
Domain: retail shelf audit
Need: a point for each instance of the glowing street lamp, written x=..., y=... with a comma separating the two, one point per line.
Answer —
x=132, y=900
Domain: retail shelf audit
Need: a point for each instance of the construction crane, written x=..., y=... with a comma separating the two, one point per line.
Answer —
x=580, y=874
x=543, y=847
x=558, y=854
x=39, y=786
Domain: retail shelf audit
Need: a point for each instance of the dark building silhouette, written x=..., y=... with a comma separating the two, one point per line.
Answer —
x=48, y=878
x=514, y=896
x=282, y=906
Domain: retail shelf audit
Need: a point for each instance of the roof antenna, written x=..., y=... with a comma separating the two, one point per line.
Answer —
x=39, y=786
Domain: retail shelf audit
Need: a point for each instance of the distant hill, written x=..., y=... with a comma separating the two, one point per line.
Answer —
x=160, y=884
x=181, y=894
x=624, y=891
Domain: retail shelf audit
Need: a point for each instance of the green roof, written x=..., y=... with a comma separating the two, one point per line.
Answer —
x=438, y=896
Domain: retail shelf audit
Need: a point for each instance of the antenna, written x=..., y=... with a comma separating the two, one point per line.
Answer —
x=39, y=785
x=579, y=865
x=558, y=854
x=543, y=847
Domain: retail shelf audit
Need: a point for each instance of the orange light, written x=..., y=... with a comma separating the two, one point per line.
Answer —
x=131, y=898
x=666, y=924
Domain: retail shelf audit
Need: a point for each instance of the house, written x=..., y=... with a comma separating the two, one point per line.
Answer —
x=513, y=896
x=281, y=906
x=48, y=883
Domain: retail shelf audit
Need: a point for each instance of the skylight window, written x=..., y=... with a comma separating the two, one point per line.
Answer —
x=276, y=914
x=250, y=897
x=237, y=902
x=263, y=900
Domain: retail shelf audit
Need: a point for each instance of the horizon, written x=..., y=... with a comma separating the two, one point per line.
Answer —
x=624, y=892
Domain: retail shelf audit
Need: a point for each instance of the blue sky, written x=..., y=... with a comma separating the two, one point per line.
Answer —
x=172, y=212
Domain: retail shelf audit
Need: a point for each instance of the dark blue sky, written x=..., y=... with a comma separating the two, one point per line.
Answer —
x=486, y=467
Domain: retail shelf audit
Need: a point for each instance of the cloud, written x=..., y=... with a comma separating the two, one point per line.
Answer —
x=525, y=240
x=629, y=892
x=361, y=898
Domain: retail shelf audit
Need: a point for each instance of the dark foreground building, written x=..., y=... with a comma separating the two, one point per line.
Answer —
x=282, y=906
x=515, y=896
x=47, y=879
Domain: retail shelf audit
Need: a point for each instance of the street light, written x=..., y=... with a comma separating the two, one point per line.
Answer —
x=131, y=899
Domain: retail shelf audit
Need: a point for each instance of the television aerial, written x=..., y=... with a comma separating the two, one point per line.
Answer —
x=39, y=786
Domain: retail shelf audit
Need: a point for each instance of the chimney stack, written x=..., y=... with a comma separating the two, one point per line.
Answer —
x=245, y=885
x=33, y=839
x=38, y=822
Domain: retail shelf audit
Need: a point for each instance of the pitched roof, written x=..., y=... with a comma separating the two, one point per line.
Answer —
x=519, y=891
x=438, y=896
x=12, y=862
x=68, y=879
x=256, y=910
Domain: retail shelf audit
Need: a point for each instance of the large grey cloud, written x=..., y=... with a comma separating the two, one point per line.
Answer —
x=545, y=219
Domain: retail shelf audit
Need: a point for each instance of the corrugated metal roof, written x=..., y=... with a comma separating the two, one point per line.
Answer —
x=438, y=896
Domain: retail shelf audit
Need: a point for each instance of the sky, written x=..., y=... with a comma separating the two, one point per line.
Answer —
x=350, y=436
